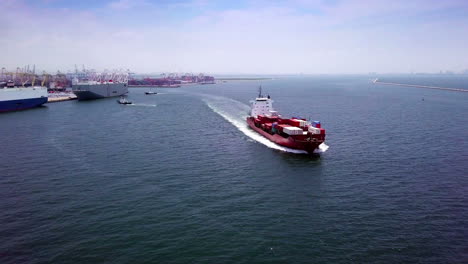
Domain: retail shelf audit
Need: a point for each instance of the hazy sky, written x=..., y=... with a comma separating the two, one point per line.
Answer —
x=243, y=36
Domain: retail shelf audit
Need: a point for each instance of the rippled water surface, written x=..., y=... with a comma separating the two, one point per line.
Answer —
x=179, y=178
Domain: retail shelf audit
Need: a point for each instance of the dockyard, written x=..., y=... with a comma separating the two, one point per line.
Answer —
x=26, y=87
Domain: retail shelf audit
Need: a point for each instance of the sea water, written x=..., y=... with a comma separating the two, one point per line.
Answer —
x=180, y=178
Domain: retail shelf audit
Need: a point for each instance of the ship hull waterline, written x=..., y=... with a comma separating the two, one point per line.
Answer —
x=21, y=104
x=288, y=142
x=99, y=91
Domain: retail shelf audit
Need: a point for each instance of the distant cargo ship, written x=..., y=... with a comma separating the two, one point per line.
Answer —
x=97, y=90
x=19, y=98
x=100, y=85
x=295, y=133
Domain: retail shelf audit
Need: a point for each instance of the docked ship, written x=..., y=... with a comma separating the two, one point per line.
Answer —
x=294, y=133
x=14, y=98
x=92, y=85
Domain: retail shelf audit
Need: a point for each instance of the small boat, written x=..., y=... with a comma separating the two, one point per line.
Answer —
x=123, y=100
x=150, y=92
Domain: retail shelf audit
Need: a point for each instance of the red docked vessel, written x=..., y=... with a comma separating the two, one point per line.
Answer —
x=294, y=133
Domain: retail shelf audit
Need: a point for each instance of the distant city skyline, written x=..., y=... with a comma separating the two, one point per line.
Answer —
x=242, y=37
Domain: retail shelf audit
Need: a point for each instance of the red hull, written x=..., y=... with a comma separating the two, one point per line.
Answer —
x=289, y=141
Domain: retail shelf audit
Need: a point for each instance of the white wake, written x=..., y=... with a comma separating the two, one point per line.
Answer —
x=236, y=113
x=321, y=148
x=146, y=105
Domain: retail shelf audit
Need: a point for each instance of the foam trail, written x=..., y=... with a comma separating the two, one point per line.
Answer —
x=321, y=148
x=236, y=113
x=147, y=105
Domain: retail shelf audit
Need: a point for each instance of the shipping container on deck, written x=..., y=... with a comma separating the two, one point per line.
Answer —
x=281, y=127
x=314, y=130
x=302, y=122
x=292, y=131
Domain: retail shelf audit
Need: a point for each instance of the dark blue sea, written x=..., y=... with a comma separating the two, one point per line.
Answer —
x=179, y=178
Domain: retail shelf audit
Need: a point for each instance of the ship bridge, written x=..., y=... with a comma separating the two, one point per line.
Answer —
x=262, y=106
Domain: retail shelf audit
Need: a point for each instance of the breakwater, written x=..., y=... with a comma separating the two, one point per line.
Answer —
x=160, y=86
x=171, y=80
x=244, y=79
x=376, y=81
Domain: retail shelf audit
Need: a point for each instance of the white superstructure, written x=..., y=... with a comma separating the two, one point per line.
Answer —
x=22, y=93
x=262, y=106
x=92, y=77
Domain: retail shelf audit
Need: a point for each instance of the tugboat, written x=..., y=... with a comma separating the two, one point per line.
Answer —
x=294, y=133
x=123, y=100
x=150, y=92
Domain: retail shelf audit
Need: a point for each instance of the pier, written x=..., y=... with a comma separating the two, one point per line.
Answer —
x=376, y=81
x=60, y=97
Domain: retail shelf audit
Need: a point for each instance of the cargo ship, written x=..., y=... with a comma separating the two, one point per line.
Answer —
x=14, y=98
x=92, y=85
x=294, y=133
